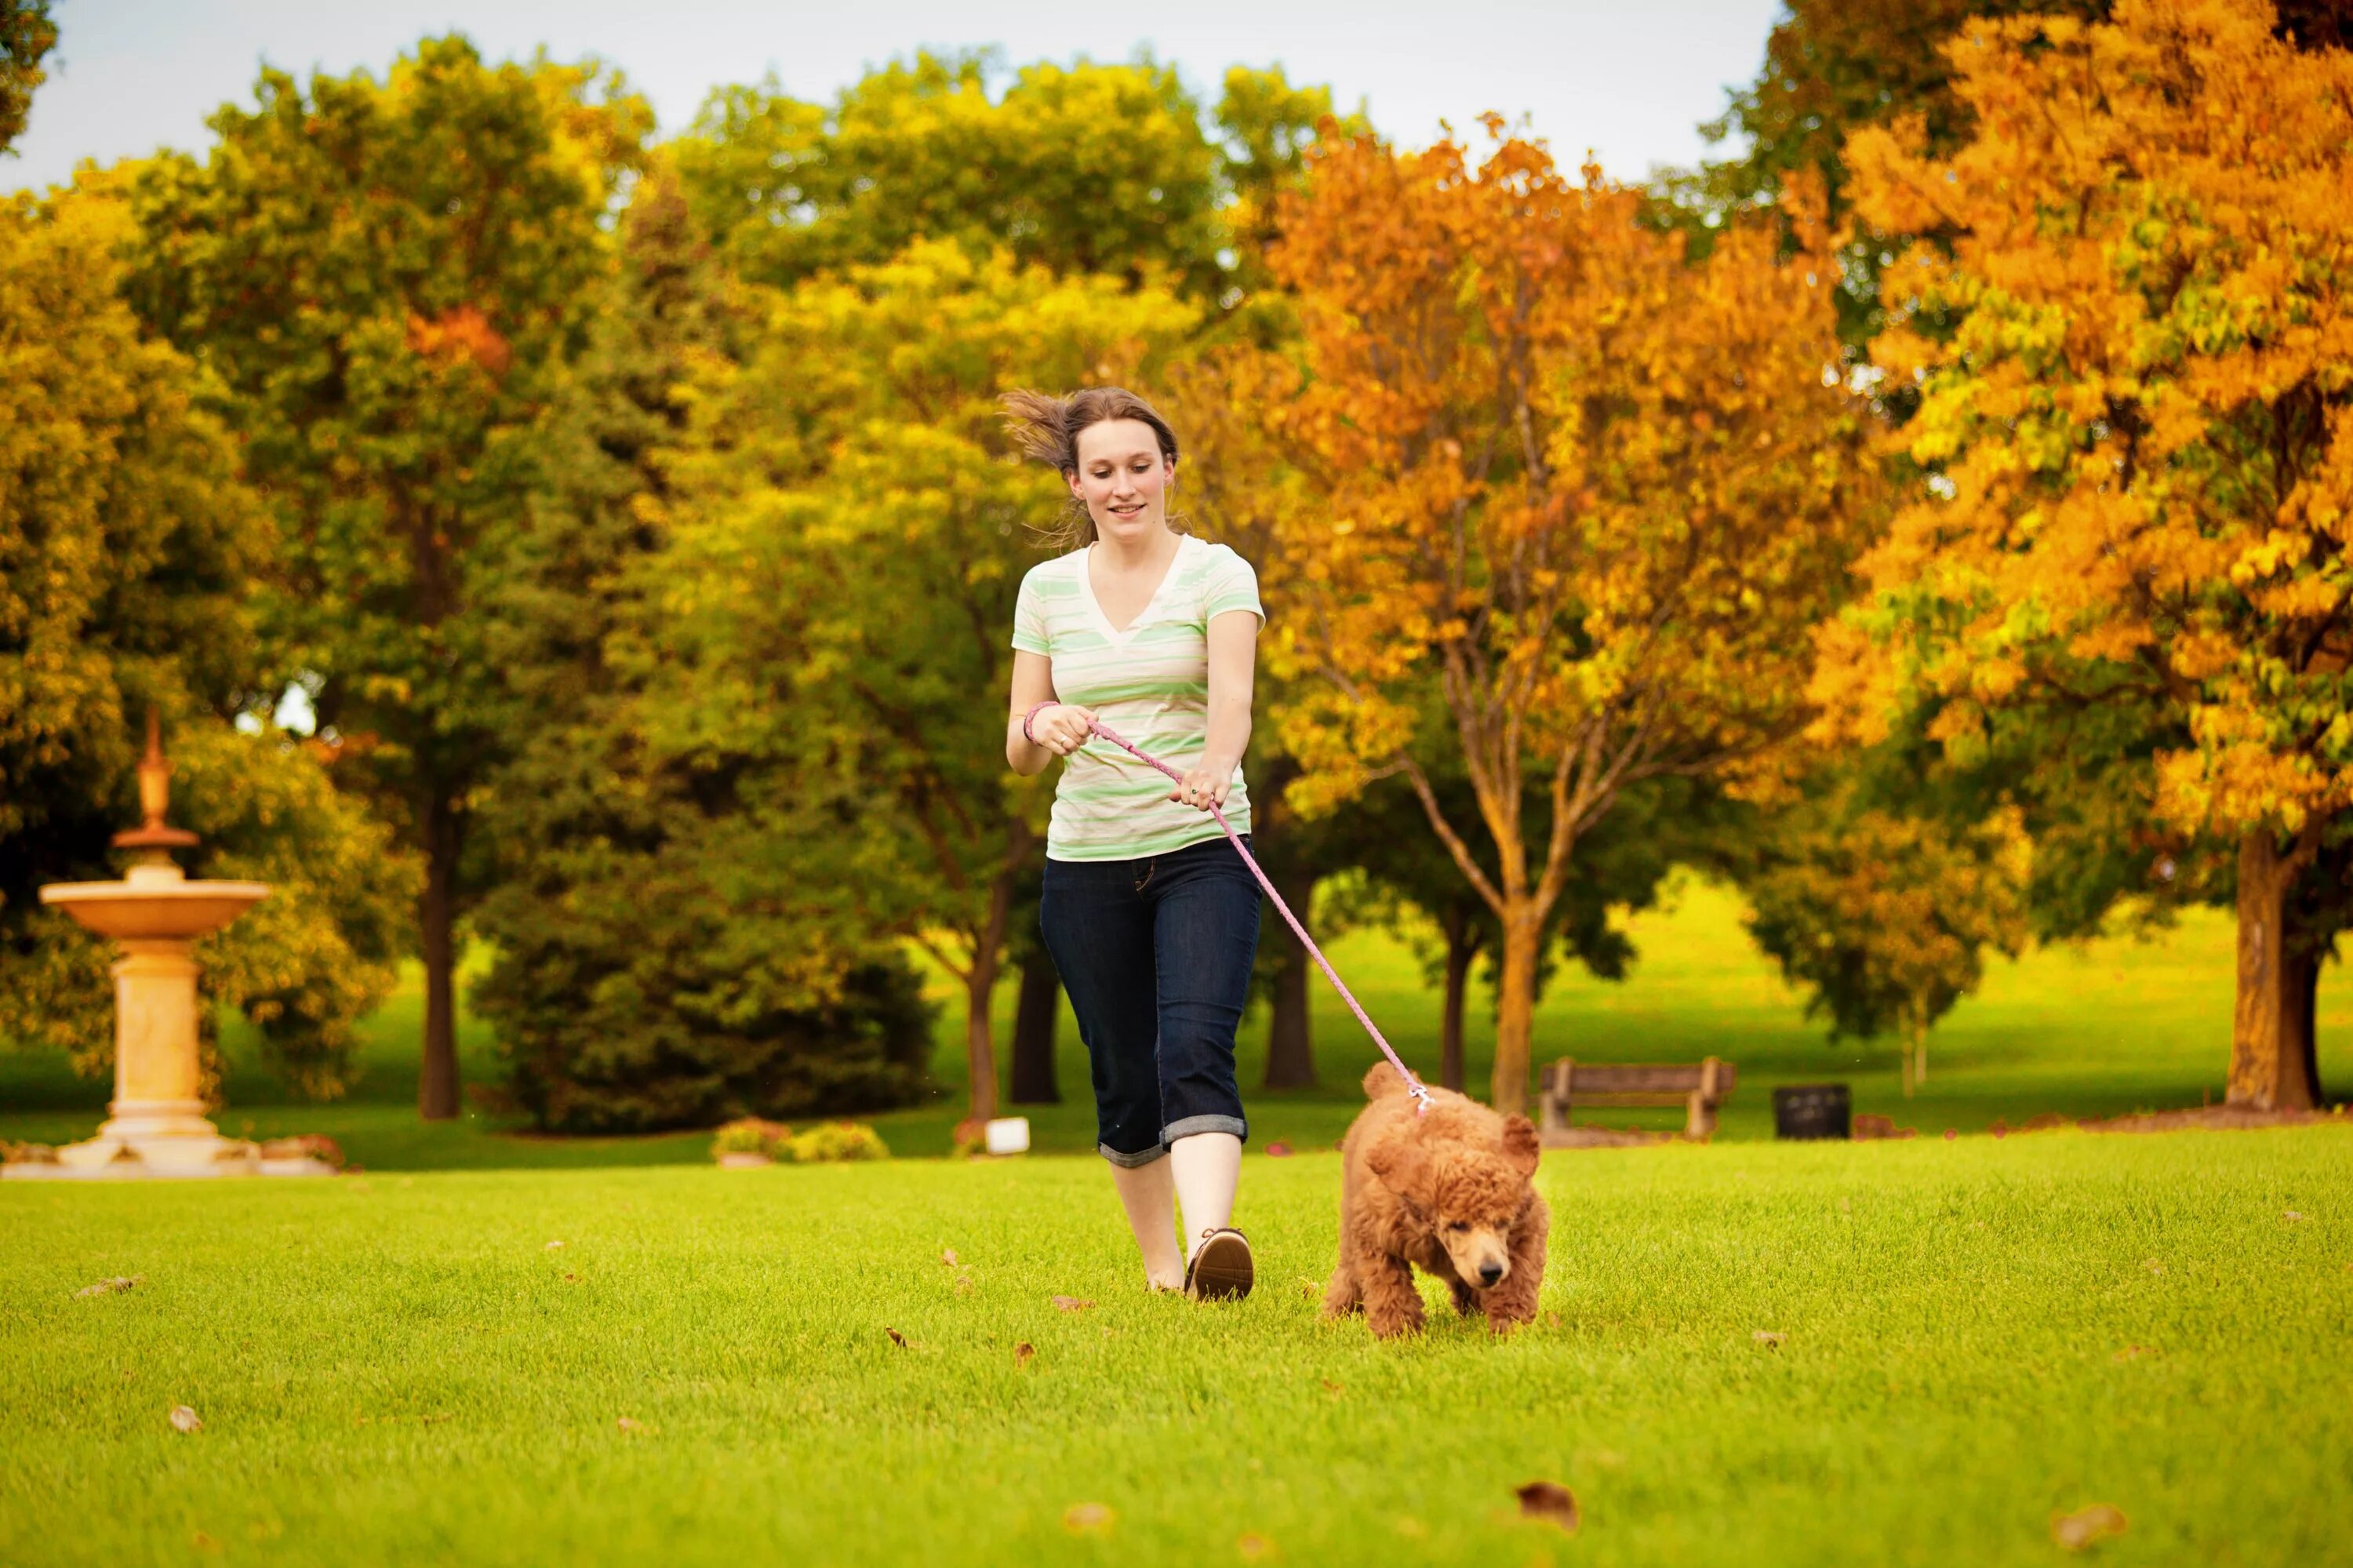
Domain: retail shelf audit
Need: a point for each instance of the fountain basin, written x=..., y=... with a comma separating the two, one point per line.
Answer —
x=154, y=908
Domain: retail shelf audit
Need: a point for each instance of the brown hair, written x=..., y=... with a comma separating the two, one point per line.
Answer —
x=1046, y=429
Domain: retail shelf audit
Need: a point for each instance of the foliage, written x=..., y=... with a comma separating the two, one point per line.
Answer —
x=27, y=34
x=835, y=1143
x=388, y=278
x=852, y=527
x=1578, y=502
x=1885, y=916
x=126, y=545
x=2136, y=407
x=1101, y=169
x=749, y=1135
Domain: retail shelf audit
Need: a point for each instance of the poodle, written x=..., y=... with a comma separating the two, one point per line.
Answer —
x=1450, y=1188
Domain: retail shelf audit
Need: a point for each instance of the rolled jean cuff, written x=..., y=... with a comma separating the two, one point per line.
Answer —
x=1186, y=1127
x=1132, y=1162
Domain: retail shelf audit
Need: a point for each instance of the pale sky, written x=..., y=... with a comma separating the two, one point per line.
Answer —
x=1630, y=80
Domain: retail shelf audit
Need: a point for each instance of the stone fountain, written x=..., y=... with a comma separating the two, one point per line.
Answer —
x=156, y=1124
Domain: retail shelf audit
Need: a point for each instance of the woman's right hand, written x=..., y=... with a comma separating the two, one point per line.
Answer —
x=1062, y=729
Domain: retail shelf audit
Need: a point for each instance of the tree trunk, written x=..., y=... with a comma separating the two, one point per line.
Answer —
x=1290, y=1046
x=1035, y=1018
x=1463, y=938
x=1516, y=1012
x=436, y=916
x=979, y=1041
x=2271, y=1068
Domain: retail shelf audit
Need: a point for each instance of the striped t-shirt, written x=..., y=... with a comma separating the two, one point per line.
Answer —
x=1150, y=682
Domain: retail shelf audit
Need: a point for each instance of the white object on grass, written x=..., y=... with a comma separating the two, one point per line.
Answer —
x=1007, y=1135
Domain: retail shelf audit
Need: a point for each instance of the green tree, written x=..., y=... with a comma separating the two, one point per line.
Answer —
x=127, y=548
x=27, y=34
x=646, y=973
x=852, y=527
x=388, y=279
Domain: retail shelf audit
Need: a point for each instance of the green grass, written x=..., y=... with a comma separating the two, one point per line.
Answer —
x=2108, y=1026
x=1978, y=1334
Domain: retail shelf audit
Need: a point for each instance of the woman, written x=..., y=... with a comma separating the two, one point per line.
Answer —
x=1150, y=916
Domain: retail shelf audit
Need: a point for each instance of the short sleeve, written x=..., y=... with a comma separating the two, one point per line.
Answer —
x=1029, y=617
x=1230, y=584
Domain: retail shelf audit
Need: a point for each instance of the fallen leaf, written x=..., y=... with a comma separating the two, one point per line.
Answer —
x=2290, y=1214
x=1550, y=1501
x=184, y=1419
x=1273, y=1151
x=1253, y=1546
x=1022, y=1354
x=896, y=1338
x=204, y=1543
x=1770, y=1338
x=948, y=1257
x=109, y=1286
x=1072, y=1303
x=2087, y=1527
x=1087, y=1518
x=1331, y=1387
x=627, y=1425
x=2153, y=1266
x=553, y=1245
x=2134, y=1352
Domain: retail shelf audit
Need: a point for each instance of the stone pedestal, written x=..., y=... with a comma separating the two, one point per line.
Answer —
x=157, y=1117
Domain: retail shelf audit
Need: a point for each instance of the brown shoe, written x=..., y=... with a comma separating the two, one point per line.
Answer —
x=1220, y=1269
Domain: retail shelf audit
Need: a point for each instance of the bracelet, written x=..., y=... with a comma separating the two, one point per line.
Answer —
x=1035, y=708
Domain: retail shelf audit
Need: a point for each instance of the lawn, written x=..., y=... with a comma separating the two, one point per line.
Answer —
x=2105, y=1027
x=1975, y=1336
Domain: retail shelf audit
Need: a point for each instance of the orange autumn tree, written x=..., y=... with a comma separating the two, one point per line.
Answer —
x=2133, y=340
x=1572, y=504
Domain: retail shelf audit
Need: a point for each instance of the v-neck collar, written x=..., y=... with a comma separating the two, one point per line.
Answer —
x=1094, y=606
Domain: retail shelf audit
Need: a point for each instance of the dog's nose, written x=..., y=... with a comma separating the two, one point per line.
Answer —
x=1490, y=1271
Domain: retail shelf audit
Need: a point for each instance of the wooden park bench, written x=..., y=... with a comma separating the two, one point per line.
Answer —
x=1699, y=1087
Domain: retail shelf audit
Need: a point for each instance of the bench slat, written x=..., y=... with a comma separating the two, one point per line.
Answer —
x=1591, y=1080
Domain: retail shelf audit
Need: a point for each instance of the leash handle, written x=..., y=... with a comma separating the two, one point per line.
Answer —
x=1413, y=1085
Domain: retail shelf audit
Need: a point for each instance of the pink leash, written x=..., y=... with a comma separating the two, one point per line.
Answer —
x=1413, y=1085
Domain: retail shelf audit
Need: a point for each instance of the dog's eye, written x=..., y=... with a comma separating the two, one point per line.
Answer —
x=1459, y=1226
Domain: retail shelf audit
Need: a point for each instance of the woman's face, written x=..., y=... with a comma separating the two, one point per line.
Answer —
x=1124, y=479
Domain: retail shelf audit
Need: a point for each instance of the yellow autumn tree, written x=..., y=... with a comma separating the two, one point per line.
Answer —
x=1571, y=505
x=2132, y=339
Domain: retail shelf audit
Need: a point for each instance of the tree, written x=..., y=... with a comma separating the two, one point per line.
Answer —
x=2133, y=408
x=388, y=279
x=852, y=528
x=1885, y=915
x=1084, y=169
x=1582, y=502
x=127, y=549
x=25, y=35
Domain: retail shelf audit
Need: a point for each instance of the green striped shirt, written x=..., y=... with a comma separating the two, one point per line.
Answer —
x=1150, y=682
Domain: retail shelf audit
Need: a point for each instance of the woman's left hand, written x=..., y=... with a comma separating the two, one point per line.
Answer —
x=1204, y=785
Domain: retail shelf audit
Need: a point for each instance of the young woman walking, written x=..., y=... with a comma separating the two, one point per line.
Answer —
x=1149, y=915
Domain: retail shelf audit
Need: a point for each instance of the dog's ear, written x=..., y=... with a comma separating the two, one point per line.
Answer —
x=1401, y=1162
x=1521, y=1147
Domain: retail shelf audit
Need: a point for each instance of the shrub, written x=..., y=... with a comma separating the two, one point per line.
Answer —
x=834, y=1141
x=749, y=1135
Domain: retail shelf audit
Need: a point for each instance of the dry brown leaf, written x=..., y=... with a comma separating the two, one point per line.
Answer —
x=109, y=1287
x=896, y=1338
x=1022, y=1354
x=1088, y=1518
x=1331, y=1387
x=635, y=1427
x=2135, y=1352
x=570, y=1277
x=204, y=1543
x=183, y=1419
x=948, y=1257
x=1550, y=1501
x=2291, y=1215
x=2088, y=1526
x=1770, y=1338
x=1253, y=1545
x=1072, y=1303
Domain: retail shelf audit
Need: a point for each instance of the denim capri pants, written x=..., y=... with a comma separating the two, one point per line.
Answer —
x=1155, y=955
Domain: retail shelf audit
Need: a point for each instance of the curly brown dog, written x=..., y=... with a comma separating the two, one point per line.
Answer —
x=1449, y=1189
